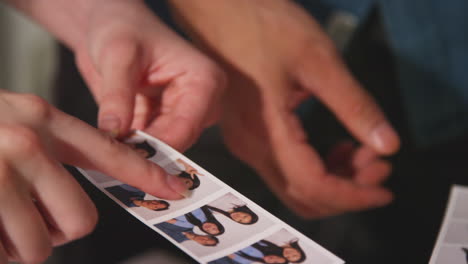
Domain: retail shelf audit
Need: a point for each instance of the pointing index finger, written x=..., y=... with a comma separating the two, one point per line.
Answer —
x=79, y=144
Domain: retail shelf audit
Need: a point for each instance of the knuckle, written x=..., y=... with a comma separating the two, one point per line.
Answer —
x=304, y=190
x=37, y=108
x=218, y=75
x=209, y=76
x=19, y=140
x=112, y=147
x=123, y=50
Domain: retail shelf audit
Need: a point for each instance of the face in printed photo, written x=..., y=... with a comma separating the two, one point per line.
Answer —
x=279, y=248
x=227, y=220
x=144, y=204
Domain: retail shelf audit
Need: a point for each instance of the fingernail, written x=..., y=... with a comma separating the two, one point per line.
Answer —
x=178, y=186
x=385, y=139
x=110, y=124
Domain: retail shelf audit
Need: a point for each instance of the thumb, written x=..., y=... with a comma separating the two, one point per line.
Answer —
x=119, y=71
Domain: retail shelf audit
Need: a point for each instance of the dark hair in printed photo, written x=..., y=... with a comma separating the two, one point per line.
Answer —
x=150, y=151
x=216, y=241
x=295, y=245
x=267, y=248
x=465, y=250
x=164, y=208
x=133, y=197
x=209, y=219
x=195, y=180
x=237, y=209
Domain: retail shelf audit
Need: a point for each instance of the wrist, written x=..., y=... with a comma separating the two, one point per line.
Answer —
x=68, y=21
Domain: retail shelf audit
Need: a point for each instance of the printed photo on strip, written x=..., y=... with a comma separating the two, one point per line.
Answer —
x=457, y=233
x=460, y=211
x=452, y=254
x=150, y=207
x=146, y=148
x=216, y=226
x=280, y=248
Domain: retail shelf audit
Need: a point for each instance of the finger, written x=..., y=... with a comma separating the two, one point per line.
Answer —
x=68, y=211
x=305, y=171
x=363, y=156
x=360, y=165
x=143, y=111
x=373, y=174
x=119, y=70
x=186, y=106
x=323, y=74
x=25, y=234
x=81, y=145
x=340, y=155
x=88, y=71
x=3, y=255
x=304, y=207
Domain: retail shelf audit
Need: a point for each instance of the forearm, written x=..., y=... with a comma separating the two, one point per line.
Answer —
x=199, y=17
x=68, y=20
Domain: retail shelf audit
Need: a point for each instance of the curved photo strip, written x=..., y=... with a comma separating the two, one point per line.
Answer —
x=452, y=242
x=281, y=247
x=215, y=224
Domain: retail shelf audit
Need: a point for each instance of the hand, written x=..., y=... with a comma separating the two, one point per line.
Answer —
x=277, y=56
x=171, y=221
x=144, y=76
x=41, y=205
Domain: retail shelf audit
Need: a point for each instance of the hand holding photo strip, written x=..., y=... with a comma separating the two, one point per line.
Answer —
x=215, y=224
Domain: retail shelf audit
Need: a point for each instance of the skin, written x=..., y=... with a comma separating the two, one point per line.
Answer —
x=273, y=259
x=241, y=217
x=142, y=75
x=291, y=254
x=150, y=204
x=210, y=228
x=269, y=75
x=35, y=139
x=202, y=240
x=143, y=153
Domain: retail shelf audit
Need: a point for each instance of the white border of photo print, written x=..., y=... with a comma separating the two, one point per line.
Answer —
x=209, y=193
x=452, y=242
x=229, y=220
x=282, y=246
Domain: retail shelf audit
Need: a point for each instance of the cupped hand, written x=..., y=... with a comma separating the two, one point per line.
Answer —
x=41, y=205
x=143, y=76
x=277, y=56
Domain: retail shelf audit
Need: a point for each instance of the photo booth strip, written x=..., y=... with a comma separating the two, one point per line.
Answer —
x=452, y=242
x=209, y=191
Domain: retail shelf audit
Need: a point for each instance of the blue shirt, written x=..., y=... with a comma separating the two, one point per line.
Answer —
x=251, y=251
x=126, y=194
x=183, y=222
x=174, y=231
